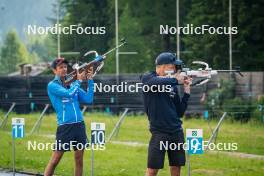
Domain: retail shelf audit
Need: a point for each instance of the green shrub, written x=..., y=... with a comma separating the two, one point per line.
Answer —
x=239, y=109
x=222, y=99
x=258, y=113
x=216, y=97
x=226, y=90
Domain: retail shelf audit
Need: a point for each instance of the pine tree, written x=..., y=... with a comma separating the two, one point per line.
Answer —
x=13, y=52
x=247, y=46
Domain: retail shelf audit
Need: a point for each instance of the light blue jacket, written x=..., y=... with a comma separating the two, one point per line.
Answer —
x=66, y=101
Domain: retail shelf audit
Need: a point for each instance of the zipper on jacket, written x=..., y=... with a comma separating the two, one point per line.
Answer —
x=74, y=111
x=63, y=113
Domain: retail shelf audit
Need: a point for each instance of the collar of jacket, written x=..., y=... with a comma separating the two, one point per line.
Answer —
x=57, y=77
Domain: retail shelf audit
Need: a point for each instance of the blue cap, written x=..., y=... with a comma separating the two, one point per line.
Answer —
x=178, y=62
x=166, y=58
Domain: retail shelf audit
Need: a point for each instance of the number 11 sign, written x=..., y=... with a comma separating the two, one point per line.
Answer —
x=18, y=127
x=18, y=131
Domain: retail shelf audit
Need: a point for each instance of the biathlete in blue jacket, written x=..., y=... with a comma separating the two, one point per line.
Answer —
x=71, y=131
x=164, y=111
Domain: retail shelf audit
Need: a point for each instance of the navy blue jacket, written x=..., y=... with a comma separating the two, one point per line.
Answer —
x=163, y=111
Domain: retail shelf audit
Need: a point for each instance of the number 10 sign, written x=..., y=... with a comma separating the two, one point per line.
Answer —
x=97, y=133
x=18, y=127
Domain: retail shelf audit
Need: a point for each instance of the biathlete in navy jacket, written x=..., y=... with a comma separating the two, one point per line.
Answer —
x=164, y=111
x=71, y=131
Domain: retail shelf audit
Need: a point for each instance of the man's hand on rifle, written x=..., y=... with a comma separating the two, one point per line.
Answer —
x=179, y=77
x=185, y=80
x=80, y=76
x=89, y=73
x=187, y=85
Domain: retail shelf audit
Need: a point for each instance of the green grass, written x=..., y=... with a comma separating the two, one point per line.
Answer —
x=125, y=160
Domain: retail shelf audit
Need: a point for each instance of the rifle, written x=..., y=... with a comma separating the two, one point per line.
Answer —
x=205, y=73
x=97, y=63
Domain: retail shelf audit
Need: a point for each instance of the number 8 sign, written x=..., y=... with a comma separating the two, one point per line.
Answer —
x=97, y=133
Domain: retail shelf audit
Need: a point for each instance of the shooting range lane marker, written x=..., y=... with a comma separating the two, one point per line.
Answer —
x=3, y=124
x=38, y=123
x=118, y=124
x=97, y=138
x=215, y=132
x=18, y=131
x=194, y=138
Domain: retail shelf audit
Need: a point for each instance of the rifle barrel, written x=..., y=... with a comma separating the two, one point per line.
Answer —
x=236, y=71
x=113, y=49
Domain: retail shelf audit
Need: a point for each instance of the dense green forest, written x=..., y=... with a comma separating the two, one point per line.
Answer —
x=139, y=23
